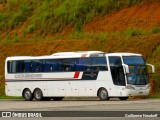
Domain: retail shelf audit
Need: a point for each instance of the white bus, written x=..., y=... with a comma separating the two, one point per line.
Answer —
x=77, y=74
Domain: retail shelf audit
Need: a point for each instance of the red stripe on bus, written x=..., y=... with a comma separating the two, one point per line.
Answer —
x=76, y=74
x=84, y=55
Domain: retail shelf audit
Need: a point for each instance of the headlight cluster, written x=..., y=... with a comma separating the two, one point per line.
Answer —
x=147, y=87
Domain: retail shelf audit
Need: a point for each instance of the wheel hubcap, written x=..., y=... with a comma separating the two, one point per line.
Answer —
x=103, y=94
x=38, y=94
x=27, y=95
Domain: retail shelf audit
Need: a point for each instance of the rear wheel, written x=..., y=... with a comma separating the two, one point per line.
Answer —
x=103, y=94
x=27, y=94
x=123, y=98
x=58, y=98
x=38, y=95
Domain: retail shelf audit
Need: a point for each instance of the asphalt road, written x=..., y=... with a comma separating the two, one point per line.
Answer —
x=82, y=105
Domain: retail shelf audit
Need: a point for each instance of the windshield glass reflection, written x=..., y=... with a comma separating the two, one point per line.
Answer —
x=138, y=73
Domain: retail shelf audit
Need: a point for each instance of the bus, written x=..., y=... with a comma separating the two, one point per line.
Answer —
x=77, y=74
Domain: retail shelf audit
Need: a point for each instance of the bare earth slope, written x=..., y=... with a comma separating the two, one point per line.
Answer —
x=140, y=16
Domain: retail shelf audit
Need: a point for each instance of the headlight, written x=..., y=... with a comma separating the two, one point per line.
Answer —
x=130, y=87
x=147, y=87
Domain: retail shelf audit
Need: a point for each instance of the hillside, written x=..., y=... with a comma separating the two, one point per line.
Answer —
x=46, y=27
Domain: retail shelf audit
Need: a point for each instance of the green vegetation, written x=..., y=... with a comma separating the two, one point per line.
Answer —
x=154, y=58
x=10, y=97
x=54, y=15
x=30, y=28
x=94, y=36
x=3, y=17
x=133, y=32
x=126, y=34
x=131, y=2
x=155, y=30
x=154, y=95
x=104, y=35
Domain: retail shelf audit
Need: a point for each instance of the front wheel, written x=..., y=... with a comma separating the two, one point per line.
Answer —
x=27, y=94
x=123, y=98
x=38, y=95
x=103, y=94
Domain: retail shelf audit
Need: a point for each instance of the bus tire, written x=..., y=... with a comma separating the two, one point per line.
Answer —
x=38, y=95
x=123, y=98
x=27, y=94
x=103, y=94
x=58, y=98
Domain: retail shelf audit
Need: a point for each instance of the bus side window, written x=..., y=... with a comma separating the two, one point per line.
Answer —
x=46, y=67
x=50, y=66
x=54, y=67
x=39, y=67
x=65, y=65
x=72, y=65
x=27, y=66
x=34, y=66
x=9, y=66
x=83, y=64
x=99, y=63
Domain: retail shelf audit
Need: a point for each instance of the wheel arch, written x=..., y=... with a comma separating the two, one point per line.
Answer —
x=100, y=89
x=36, y=89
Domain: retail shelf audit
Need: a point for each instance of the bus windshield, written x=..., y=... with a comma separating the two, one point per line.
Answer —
x=138, y=73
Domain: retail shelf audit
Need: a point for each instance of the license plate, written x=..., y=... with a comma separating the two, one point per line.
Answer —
x=140, y=92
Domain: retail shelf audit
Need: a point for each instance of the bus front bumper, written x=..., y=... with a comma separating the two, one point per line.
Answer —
x=130, y=92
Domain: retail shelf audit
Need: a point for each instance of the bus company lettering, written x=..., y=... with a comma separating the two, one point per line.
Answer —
x=28, y=76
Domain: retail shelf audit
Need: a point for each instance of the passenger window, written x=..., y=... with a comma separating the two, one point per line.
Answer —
x=37, y=66
x=51, y=65
x=65, y=65
x=83, y=64
x=27, y=66
x=9, y=66
x=99, y=63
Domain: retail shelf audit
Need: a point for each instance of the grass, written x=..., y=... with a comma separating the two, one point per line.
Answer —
x=104, y=35
x=20, y=16
x=122, y=35
x=3, y=23
x=30, y=28
x=78, y=34
x=157, y=95
x=154, y=30
x=54, y=15
x=132, y=2
x=10, y=97
x=94, y=36
x=133, y=32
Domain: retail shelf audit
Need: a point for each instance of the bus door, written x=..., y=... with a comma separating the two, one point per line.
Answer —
x=117, y=73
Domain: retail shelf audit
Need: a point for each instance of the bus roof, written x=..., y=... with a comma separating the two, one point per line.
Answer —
x=124, y=54
x=72, y=54
x=76, y=53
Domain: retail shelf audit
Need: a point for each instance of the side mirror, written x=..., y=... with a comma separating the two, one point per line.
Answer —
x=126, y=68
x=152, y=70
